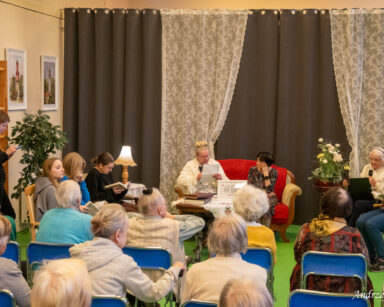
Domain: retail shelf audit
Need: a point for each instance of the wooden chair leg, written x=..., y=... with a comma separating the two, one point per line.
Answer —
x=283, y=235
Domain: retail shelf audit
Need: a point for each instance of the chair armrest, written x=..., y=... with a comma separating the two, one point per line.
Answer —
x=289, y=194
x=180, y=190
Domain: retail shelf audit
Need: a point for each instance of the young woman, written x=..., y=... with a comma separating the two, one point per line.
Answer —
x=74, y=166
x=99, y=177
x=46, y=185
x=5, y=205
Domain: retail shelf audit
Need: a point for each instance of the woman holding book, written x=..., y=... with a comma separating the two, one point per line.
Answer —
x=44, y=196
x=99, y=177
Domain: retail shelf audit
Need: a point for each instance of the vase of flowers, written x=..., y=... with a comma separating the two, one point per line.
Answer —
x=330, y=168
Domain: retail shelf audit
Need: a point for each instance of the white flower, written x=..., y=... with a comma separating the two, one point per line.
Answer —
x=320, y=140
x=328, y=145
x=331, y=149
x=325, y=161
x=337, y=145
x=337, y=158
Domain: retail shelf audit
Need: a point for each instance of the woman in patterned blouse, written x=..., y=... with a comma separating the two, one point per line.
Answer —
x=330, y=233
x=264, y=177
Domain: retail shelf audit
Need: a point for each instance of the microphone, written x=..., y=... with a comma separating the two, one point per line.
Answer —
x=200, y=168
x=370, y=173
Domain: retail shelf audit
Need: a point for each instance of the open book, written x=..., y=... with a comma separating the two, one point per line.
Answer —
x=92, y=208
x=118, y=185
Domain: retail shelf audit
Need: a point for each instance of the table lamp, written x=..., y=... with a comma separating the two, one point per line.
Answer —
x=125, y=159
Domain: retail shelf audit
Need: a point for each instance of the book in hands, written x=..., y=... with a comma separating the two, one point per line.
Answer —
x=119, y=185
x=92, y=208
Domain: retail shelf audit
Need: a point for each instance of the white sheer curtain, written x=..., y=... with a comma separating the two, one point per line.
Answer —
x=201, y=57
x=358, y=53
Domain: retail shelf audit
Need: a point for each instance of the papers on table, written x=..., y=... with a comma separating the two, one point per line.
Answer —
x=208, y=171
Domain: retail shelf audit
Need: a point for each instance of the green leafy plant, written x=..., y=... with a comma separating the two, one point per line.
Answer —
x=38, y=138
x=330, y=163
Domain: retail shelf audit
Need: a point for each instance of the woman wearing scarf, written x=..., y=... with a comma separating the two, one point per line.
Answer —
x=330, y=233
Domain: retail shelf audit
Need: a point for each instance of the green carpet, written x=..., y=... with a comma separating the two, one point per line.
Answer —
x=282, y=269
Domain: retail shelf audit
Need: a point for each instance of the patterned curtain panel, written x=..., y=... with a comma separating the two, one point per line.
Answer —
x=201, y=57
x=358, y=52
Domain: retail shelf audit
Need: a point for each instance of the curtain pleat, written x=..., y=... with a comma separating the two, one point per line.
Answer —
x=112, y=89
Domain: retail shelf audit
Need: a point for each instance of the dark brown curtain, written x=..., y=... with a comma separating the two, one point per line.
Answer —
x=285, y=97
x=112, y=86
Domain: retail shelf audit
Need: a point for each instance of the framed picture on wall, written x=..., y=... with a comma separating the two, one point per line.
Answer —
x=49, y=82
x=16, y=78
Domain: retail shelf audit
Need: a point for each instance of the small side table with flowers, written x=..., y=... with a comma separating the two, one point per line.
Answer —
x=331, y=168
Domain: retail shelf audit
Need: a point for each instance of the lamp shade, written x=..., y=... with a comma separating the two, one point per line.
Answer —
x=125, y=157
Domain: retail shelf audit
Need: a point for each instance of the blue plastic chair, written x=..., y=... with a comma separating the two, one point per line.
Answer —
x=12, y=252
x=301, y=297
x=6, y=299
x=108, y=301
x=261, y=257
x=37, y=252
x=151, y=258
x=194, y=303
x=333, y=264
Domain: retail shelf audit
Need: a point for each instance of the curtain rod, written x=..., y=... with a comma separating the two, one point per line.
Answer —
x=29, y=9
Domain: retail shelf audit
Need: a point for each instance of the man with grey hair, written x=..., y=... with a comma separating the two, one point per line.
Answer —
x=66, y=224
x=226, y=240
x=154, y=226
x=251, y=204
x=245, y=292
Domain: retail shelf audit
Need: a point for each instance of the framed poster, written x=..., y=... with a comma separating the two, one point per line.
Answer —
x=17, y=79
x=49, y=82
x=227, y=188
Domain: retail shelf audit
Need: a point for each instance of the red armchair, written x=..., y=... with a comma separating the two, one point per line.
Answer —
x=285, y=189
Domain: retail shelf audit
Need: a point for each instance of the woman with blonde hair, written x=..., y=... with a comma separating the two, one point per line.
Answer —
x=11, y=278
x=111, y=271
x=62, y=283
x=74, y=166
x=46, y=185
x=251, y=204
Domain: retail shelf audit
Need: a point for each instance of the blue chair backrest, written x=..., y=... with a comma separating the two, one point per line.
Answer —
x=194, y=303
x=153, y=258
x=259, y=256
x=299, y=298
x=6, y=299
x=12, y=252
x=333, y=264
x=108, y=301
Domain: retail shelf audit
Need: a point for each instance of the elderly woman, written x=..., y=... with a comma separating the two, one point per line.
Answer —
x=74, y=166
x=330, y=233
x=63, y=282
x=245, y=292
x=374, y=171
x=100, y=176
x=264, y=177
x=46, y=185
x=226, y=239
x=65, y=224
x=191, y=173
x=156, y=227
x=111, y=271
x=251, y=204
x=11, y=278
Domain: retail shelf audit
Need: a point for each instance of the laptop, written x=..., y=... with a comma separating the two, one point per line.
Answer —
x=360, y=188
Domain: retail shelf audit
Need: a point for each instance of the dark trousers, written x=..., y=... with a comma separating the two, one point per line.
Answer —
x=360, y=207
x=6, y=206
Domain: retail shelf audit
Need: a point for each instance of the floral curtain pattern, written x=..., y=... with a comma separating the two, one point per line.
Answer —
x=358, y=50
x=201, y=53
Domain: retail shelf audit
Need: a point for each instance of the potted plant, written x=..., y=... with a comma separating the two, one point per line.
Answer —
x=38, y=139
x=330, y=168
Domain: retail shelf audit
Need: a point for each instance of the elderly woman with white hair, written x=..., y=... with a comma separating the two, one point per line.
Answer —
x=251, y=204
x=63, y=282
x=66, y=224
x=245, y=292
x=11, y=278
x=226, y=240
x=374, y=171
